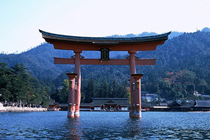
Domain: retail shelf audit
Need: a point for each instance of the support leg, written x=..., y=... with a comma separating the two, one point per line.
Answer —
x=78, y=82
x=135, y=108
x=71, y=95
x=137, y=93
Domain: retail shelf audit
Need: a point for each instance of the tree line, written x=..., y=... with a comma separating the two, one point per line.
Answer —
x=184, y=85
x=92, y=88
x=18, y=86
x=178, y=85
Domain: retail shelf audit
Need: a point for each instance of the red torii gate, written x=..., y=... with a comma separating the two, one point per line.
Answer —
x=105, y=45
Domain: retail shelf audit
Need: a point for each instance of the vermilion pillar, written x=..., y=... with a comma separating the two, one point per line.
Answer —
x=132, y=71
x=71, y=95
x=78, y=81
x=136, y=112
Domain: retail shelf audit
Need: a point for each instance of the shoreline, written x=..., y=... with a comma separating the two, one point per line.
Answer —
x=22, y=109
x=28, y=109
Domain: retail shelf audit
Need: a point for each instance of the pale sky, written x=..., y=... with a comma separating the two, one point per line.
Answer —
x=21, y=19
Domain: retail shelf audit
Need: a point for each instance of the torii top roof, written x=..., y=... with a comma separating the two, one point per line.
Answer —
x=104, y=40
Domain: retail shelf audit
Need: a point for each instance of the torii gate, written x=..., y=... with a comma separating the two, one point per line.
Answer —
x=104, y=45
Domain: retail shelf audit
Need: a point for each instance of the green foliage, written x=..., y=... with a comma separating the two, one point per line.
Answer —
x=104, y=89
x=89, y=91
x=180, y=85
x=63, y=93
x=16, y=85
x=188, y=76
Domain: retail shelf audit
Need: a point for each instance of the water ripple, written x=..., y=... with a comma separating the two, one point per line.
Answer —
x=103, y=125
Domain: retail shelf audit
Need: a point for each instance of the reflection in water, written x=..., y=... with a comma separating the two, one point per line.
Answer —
x=133, y=127
x=75, y=130
x=104, y=125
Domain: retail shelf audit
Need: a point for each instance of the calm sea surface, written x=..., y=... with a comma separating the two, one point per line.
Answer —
x=105, y=125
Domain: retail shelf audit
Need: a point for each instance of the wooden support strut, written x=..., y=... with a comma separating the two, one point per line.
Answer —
x=136, y=88
x=99, y=62
x=78, y=82
x=132, y=71
x=71, y=95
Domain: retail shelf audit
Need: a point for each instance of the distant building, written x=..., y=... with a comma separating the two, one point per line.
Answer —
x=206, y=97
x=202, y=105
x=150, y=97
x=121, y=104
x=163, y=104
x=176, y=106
x=63, y=107
x=159, y=108
x=145, y=106
x=53, y=106
x=106, y=104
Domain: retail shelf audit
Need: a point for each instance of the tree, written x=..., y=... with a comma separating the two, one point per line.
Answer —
x=89, y=91
x=63, y=93
x=105, y=89
x=114, y=90
x=5, y=82
x=188, y=76
x=165, y=86
x=20, y=82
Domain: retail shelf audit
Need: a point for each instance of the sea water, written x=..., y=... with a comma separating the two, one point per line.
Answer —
x=105, y=125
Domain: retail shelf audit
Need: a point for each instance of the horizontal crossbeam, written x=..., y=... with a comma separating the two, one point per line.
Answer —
x=99, y=62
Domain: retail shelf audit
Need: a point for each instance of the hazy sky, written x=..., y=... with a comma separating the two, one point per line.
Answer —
x=21, y=19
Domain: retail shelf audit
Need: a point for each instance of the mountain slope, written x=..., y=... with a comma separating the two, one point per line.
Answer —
x=186, y=51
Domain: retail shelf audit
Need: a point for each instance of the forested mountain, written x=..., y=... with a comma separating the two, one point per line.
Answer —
x=188, y=52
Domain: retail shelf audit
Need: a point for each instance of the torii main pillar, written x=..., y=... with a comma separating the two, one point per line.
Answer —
x=135, y=110
x=78, y=82
x=135, y=88
x=71, y=95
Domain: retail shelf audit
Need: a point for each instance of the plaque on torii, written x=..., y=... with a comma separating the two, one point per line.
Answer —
x=105, y=45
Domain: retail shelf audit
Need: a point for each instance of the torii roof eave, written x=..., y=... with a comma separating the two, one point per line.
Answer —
x=103, y=40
